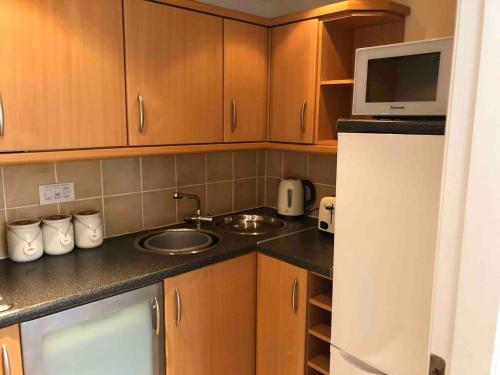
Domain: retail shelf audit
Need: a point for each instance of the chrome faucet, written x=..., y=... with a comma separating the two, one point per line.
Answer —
x=198, y=218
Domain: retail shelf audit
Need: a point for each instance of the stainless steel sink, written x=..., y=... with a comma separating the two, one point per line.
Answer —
x=177, y=241
x=251, y=224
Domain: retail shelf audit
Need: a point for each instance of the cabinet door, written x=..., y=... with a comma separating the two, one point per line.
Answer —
x=294, y=52
x=245, y=81
x=61, y=75
x=210, y=319
x=174, y=63
x=11, y=351
x=281, y=317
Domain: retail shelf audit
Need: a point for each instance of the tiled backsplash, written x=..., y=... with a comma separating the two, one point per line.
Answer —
x=321, y=169
x=136, y=193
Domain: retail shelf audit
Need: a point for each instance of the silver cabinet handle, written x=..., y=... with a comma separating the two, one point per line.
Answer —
x=179, y=307
x=303, y=116
x=295, y=286
x=156, y=309
x=6, y=360
x=234, y=115
x=141, y=113
x=2, y=124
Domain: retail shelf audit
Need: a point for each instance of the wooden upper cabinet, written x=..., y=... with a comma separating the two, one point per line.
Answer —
x=281, y=317
x=174, y=62
x=61, y=74
x=245, y=81
x=294, y=53
x=10, y=345
x=210, y=319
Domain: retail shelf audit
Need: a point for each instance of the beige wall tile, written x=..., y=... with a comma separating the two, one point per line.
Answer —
x=272, y=184
x=274, y=163
x=85, y=174
x=84, y=204
x=122, y=214
x=3, y=235
x=121, y=176
x=21, y=183
x=323, y=169
x=321, y=191
x=219, y=166
x=159, y=208
x=261, y=191
x=245, y=164
x=31, y=212
x=220, y=198
x=158, y=172
x=190, y=169
x=2, y=203
x=295, y=164
x=245, y=194
x=261, y=160
x=187, y=207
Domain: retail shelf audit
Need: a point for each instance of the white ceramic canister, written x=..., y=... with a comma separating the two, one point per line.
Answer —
x=58, y=235
x=88, y=229
x=24, y=240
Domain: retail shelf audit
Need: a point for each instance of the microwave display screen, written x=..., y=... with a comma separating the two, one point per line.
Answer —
x=412, y=78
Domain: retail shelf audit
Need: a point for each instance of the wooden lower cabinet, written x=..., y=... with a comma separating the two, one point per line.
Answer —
x=281, y=317
x=10, y=344
x=210, y=319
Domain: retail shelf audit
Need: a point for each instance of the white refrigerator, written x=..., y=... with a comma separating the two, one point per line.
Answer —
x=388, y=191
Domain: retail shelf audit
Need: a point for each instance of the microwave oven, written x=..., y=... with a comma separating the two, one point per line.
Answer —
x=404, y=79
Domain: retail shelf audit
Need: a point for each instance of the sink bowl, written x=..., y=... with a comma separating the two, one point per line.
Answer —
x=251, y=224
x=177, y=241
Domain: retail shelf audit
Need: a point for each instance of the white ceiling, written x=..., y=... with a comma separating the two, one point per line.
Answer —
x=270, y=8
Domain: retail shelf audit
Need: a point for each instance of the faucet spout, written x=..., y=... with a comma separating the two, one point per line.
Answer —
x=198, y=218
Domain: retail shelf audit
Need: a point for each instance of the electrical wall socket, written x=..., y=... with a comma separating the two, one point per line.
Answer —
x=56, y=193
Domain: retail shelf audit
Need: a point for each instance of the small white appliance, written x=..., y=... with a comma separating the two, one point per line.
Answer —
x=404, y=79
x=387, y=205
x=293, y=197
x=326, y=216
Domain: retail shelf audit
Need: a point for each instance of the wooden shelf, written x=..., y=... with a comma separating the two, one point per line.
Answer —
x=320, y=363
x=321, y=331
x=323, y=301
x=337, y=82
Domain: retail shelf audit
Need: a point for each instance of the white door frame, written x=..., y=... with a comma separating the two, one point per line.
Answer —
x=467, y=289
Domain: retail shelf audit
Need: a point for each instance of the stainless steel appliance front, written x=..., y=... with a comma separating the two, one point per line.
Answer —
x=122, y=335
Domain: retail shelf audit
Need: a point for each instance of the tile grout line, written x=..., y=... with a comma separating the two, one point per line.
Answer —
x=142, y=192
x=206, y=185
x=4, y=195
x=257, y=178
x=175, y=183
x=102, y=199
x=265, y=180
x=233, y=183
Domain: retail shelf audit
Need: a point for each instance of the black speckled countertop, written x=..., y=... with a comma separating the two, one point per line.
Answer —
x=56, y=283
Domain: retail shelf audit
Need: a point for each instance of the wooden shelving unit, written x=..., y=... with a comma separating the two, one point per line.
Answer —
x=340, y=36
x=319, y=320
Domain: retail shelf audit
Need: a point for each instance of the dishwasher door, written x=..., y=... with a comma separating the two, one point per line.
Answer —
x=121, y=335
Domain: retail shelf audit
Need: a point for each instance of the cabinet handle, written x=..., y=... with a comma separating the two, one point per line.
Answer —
x=303, y=116
x=6, y=360
x=234, y=115
x=141, y=113
x=2, y=125
x=156, y=309
x=178, y=302
x=295, y=286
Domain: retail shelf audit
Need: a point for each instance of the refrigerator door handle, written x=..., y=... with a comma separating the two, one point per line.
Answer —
x=359, y=364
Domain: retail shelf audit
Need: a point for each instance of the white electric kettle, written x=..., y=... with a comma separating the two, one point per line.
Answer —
x=292, y=196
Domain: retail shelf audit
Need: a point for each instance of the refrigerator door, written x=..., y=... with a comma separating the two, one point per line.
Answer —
x=342, y=363
x=388, y=193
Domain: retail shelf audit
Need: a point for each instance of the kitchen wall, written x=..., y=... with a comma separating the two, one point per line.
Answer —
x=429, y=19
x=136, y=193
x=320, y=169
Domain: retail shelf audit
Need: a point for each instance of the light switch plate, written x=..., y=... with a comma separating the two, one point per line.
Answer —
x=56, y=193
